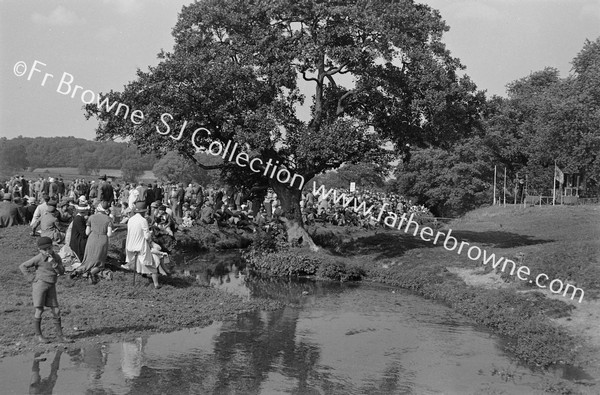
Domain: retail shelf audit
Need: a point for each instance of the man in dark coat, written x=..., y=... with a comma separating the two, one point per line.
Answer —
x=9, y=212
x=106, y=193
x=158, y=193
x=25, y=187
x=61, y=188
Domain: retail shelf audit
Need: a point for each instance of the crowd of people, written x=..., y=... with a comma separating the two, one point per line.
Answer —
x=170, y=206
x=83, y=214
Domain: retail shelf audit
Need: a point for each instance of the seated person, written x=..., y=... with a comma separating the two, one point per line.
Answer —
x=261, y=218
x=164, y=222
x=187, y=221
x=233, y=215
x=49, y=224
x=207, y=213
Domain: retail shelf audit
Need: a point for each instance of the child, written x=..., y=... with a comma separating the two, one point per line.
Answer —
x=47, y=266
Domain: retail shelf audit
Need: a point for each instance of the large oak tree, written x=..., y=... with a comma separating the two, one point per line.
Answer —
x=239, y=69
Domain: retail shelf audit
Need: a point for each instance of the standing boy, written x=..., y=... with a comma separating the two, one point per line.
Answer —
x=48, y=266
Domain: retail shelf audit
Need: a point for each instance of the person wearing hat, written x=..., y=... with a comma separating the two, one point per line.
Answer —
x=48, y=266
x=39, y=211
x=79, y=238
x=138, y=245
x=98, y=229
x=49, y=223
x=10, y=215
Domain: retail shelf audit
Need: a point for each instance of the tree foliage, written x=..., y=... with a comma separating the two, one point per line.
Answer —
x=546, y=119
x=175, y=168
x=238, y=67
x=13, y=156
x=448, y=181
x=22, y=152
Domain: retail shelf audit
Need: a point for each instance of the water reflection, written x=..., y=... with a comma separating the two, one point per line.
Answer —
x=335, y=340
x=44, y=386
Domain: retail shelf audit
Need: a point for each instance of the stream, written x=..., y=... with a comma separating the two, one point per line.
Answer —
x=331, y=339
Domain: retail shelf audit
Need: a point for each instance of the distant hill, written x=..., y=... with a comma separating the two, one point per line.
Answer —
x=85, y=155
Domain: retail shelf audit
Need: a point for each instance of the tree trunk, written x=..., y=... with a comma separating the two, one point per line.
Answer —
x=292, y=217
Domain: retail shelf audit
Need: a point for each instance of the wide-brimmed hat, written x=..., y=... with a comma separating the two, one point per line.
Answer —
x=44, y=242
x=140, y=207
x=82, y=208
x=51, y=205
x=6, y=196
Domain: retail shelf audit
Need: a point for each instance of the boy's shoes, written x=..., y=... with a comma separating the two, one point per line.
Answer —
x=62, y=339
x=42, y=339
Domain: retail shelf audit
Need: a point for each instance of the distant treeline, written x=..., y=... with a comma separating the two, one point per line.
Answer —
x=86, y=155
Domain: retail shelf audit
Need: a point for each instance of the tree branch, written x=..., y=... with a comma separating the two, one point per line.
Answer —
x=340, y=108
x=331, y=80
x=308, y=78
x=336, y=70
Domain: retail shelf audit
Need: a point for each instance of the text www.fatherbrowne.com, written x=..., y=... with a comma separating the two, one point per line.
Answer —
x=451, y=243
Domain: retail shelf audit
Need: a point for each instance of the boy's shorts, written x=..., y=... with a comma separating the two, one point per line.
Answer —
x=44, y=294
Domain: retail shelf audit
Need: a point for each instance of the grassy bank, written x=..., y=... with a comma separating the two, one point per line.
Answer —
x=109, y=310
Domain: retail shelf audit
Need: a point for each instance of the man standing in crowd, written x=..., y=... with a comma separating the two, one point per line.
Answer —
x=106, y=193
x=93, y=191
x=158, y=192
x=53, y=189
x=39, y=211
x=45, y=186
x=150, y=198
x=61, y=188
x=25, y=190
x=142, y=192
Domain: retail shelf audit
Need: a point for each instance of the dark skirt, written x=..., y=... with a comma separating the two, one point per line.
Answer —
x=78, y=237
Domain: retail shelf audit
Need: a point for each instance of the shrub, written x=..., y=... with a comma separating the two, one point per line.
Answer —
x=327, y=239
x=333, y=270
x=280, y=263
x=271, y=240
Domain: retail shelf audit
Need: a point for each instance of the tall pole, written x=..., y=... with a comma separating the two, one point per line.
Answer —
x=516, y=187
x=554, y=185
x=525, y=191
x=495, y=185
x=505, y=187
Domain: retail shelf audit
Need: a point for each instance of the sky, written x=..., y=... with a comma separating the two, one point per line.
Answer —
x=101, y=44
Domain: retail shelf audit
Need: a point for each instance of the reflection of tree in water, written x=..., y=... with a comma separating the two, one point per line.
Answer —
x=248, y=349
x=244, y=354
